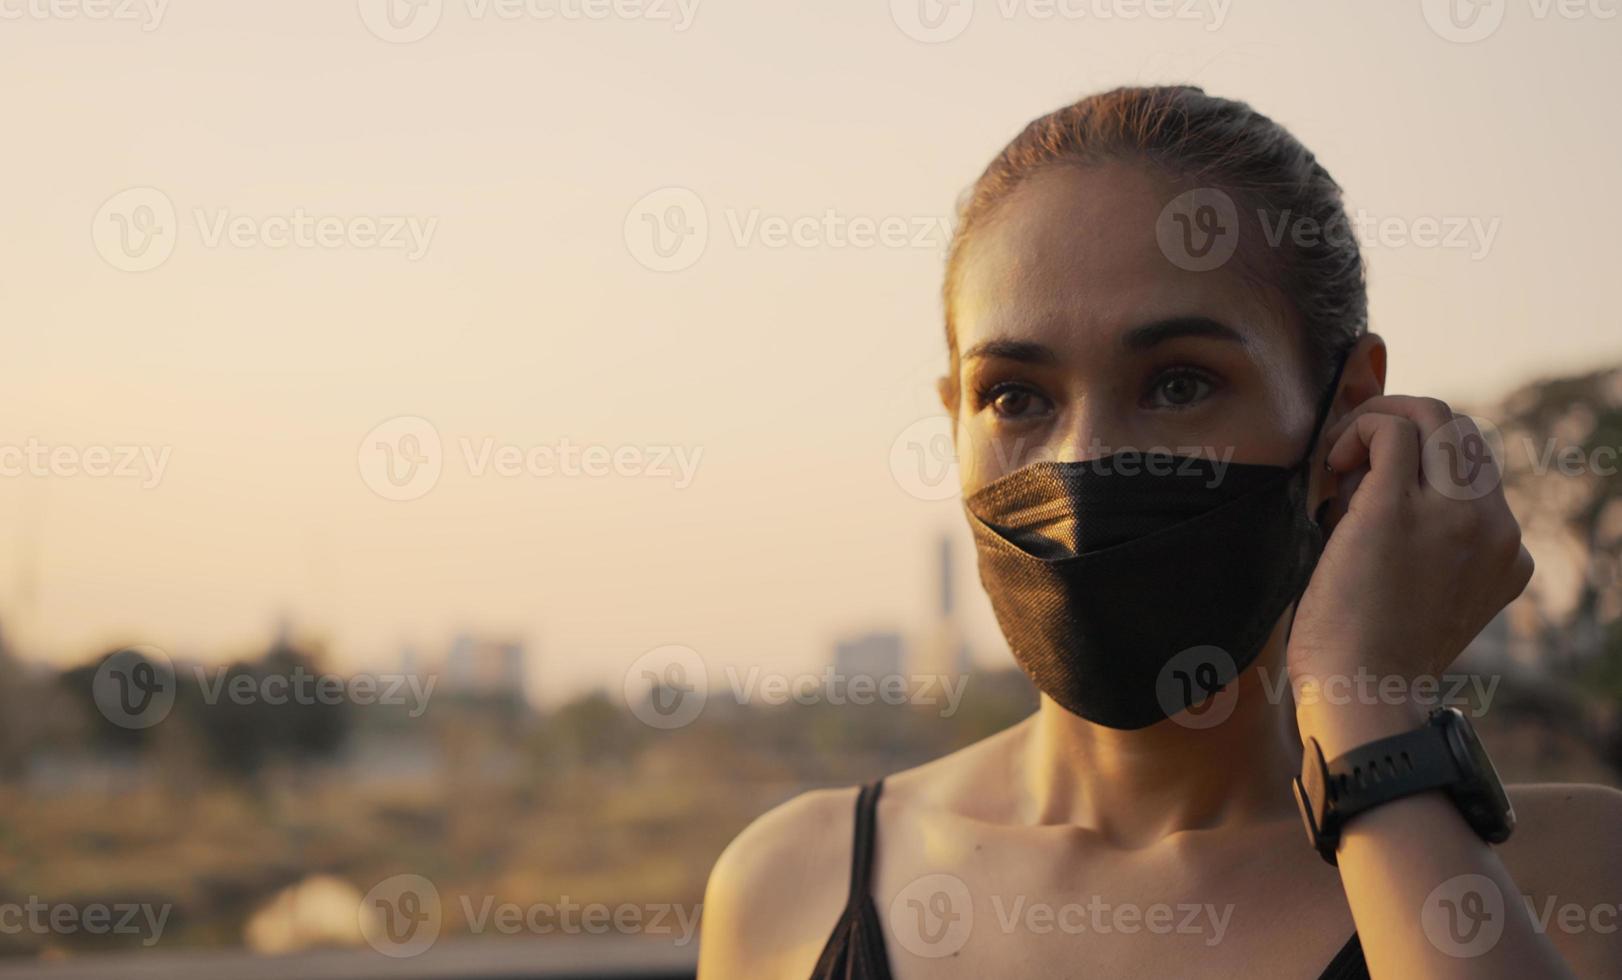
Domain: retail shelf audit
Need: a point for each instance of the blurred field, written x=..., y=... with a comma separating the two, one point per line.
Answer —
x=591, y=806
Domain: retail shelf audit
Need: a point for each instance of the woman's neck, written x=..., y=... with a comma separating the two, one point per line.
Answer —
x=1136, y=787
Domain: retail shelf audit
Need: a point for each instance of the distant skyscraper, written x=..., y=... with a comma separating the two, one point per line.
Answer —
x=941, y=650
x=486, y=667
x=869, y=655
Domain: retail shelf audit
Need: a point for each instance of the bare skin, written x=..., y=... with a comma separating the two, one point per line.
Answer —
x=1067, y=836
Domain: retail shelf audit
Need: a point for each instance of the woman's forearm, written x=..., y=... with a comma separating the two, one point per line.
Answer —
x=1429, y=896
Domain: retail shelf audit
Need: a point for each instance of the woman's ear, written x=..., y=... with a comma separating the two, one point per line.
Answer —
x=946, y=388
x=1364, y=376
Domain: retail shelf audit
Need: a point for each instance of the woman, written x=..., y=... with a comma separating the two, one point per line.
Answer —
x=1185, y=482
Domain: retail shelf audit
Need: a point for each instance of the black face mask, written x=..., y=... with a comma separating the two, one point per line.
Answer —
x=1113, y=578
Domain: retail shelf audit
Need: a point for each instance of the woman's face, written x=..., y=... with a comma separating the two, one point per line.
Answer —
x=1078, y=337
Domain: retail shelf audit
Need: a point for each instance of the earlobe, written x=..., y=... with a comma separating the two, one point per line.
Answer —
x=1365, y=370
x=946, y=388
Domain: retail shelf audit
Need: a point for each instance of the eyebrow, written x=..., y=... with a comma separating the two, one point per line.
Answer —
x=1139, y=338
x=1160, y=331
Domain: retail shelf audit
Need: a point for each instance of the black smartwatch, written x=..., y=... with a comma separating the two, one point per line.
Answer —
x=1442, y=754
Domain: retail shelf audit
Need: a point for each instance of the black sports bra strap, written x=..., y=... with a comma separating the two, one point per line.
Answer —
x=861, y=855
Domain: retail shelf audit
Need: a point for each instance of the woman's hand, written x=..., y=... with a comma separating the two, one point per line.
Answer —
x=1425, y=555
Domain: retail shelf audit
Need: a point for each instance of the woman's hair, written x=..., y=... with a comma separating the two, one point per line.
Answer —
x=1202, y=141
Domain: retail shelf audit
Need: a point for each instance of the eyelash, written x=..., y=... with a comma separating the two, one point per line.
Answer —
x=986, y=394
x=1181, y=371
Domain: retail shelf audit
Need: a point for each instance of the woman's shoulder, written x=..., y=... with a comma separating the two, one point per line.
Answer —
x=1565, y=834
x=777, y=890
x=1565, y=856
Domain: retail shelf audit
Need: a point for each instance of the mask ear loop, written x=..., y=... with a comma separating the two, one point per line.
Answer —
x=1325, y=404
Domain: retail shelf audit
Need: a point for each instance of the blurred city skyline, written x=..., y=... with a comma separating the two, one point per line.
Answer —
x=487, y=187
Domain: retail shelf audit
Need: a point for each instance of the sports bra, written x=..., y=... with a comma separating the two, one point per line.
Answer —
x=855, y=949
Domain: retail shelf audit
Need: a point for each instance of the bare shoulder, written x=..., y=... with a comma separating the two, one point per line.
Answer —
x=1568, y=836
x=777, y=890
x=1566, y=858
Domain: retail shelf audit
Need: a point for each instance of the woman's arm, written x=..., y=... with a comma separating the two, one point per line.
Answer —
x=1431, y=899
x=1415, y=568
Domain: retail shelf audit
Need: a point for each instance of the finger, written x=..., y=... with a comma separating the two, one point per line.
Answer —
x=1387, y=444
x=1429, y=414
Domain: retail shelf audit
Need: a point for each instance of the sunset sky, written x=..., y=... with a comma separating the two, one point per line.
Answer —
x=459, y=234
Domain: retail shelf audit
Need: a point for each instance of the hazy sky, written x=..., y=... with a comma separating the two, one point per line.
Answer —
x=457, y=229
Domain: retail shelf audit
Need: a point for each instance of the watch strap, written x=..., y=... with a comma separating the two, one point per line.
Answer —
x=1388, y=769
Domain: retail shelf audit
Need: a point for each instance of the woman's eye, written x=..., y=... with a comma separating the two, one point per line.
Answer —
x=1179, y=389
x=1016, y=402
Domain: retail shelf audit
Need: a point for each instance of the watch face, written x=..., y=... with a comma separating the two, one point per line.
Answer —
x=1482, y=790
